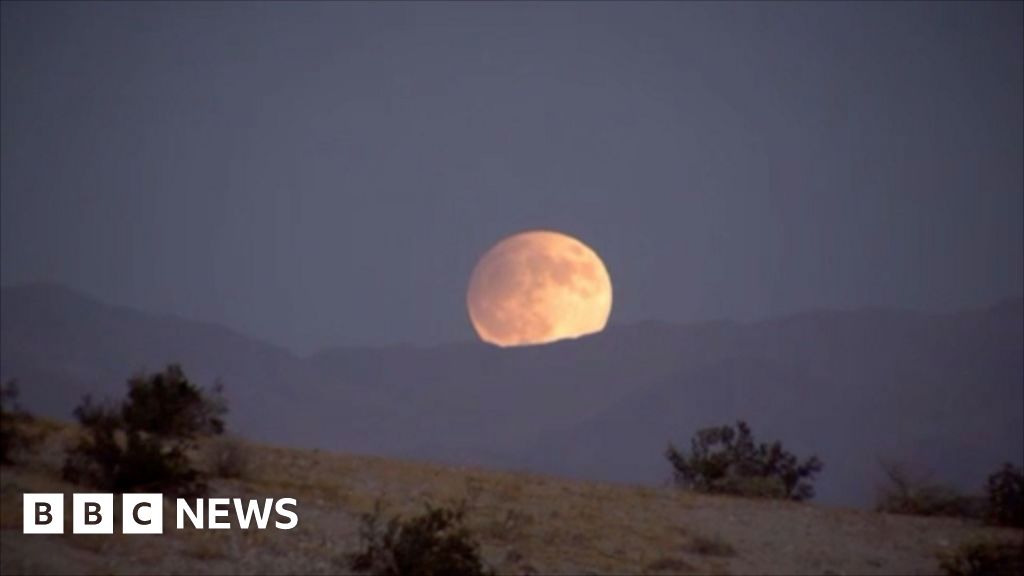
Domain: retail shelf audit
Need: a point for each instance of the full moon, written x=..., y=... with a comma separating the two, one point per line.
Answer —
x=537, y=287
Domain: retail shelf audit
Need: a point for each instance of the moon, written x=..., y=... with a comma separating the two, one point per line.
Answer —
x=537, y=287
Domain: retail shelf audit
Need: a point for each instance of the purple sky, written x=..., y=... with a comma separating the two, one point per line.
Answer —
x=320, y=174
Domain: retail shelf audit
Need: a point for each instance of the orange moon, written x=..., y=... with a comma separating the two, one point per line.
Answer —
x=537, y=287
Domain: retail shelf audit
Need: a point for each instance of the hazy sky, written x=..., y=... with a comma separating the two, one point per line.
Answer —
x=319, y=174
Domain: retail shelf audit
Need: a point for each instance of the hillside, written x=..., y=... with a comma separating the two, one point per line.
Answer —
x=525, y=523
x=940, y=392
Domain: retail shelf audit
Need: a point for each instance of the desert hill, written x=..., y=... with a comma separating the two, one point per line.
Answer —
x=525, y=523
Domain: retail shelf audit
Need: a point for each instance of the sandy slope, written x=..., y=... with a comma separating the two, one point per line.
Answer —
x=525, y=524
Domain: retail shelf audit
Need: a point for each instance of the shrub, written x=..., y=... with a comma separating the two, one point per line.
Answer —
x=436, y=542
x=904, y=493
x=13, y=421
x=167, y=404
x=143, y=443
x=725, y=460
x=1005, y=491
x=984, y=558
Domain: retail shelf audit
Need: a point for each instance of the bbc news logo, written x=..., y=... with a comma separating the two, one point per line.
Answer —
x=144, y=513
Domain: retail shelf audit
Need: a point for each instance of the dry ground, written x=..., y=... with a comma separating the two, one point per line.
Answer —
x=525, y=524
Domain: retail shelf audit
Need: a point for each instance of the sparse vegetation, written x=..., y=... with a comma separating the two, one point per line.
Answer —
x=525, y=523
x=709, y=546
x=906, y=493
x=985, y=558
x=436, y=542
x=227, y=458
x=1005, y=492
x=669, y=565
x=143, y=443
x=726, y=460
x=509, y=526
x=13, y=421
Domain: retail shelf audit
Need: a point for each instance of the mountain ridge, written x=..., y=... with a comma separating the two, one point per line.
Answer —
x=938, y=390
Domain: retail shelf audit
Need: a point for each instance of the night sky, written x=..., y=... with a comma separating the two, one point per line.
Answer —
x=324, y=174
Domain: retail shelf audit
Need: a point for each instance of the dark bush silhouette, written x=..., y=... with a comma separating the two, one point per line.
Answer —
x=903, y=493
x=1005, y=491
x=14, y=437
x=725, y=460
x=436, y=542
x=167, y=404
x=143, y=443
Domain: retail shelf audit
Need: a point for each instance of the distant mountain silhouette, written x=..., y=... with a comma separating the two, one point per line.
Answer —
x=943, y=392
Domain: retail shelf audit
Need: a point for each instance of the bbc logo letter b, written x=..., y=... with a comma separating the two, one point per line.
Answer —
x=43, y=514
x=92, y=514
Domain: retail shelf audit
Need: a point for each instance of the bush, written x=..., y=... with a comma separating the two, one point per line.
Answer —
x=1005, y=491
x=436, y=542
x=13, y=421
x=985, y=558
x=725, y=460
x=143, y=443
x=166, y=404
x=905, y=494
